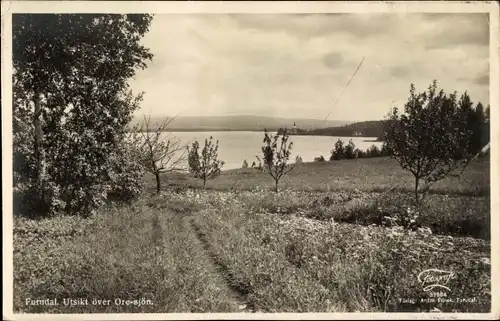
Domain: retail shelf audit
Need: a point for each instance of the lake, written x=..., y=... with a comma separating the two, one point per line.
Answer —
x=236, y=146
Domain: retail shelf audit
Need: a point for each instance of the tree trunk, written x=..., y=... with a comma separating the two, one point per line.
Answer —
x=158, y=183
x=276, y=185
x=416, y=190
x=38, y=148
x=204, y=182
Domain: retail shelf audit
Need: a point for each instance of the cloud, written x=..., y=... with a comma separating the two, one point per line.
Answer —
x=448, y=30
x=482, y=80
x=333, y=59
x=297, y=65
x=400, y=71
x=315, y=25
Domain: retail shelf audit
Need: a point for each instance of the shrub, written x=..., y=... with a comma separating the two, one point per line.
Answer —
x=127, y=179
x=31, y=200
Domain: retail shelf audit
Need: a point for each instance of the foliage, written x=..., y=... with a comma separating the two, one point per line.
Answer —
x=429, y=135
x=245, y=164
x=366, y=128
x=126, y=178
x=156, y=152
x=338, y=151
x=71, y=104
x=205, y=166
x=319, y=159
x=276, y=153
x=298, y=160
x=349, y=150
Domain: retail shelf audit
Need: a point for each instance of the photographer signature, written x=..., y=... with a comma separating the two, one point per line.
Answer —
x=435, y=278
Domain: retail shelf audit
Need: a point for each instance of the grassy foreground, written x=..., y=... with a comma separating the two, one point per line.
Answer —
x=318, y=246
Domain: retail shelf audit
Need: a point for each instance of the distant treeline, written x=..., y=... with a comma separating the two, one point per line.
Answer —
x=154, y=129
x=349, y=151
x=373, y=128
x=477, y=122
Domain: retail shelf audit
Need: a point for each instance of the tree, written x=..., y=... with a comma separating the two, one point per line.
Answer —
x=319, y=159
x=259, y=166
x=71, y=102
x=276, y=153
x=425, y=138
x=373, y=151
x=245, y=164
x=205, y=166
x=349, y=150
x=156, y=152
x=338, y=151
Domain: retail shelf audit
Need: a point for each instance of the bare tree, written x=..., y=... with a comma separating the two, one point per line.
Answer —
x=156, y=152
x=276, y=152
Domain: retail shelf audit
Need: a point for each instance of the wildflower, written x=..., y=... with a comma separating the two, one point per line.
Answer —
x=485, y=261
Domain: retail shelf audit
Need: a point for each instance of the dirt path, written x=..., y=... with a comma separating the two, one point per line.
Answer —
x=239, y=291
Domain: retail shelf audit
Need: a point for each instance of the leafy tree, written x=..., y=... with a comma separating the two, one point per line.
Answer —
x=156, y=152
x=427, y=136
x=298, y=159
x=319, y=159
x=276, y=153
x=338, y=151
x=373, y=151
x=385, y=151
x=245, y=164
x=71, y=104
x=359, y=153
x=205, y=166
x=349, y=150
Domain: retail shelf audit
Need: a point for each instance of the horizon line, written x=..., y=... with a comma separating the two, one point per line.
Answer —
x=257, y=116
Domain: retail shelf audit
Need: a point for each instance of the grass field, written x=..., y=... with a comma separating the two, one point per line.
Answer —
x=322, y=244
x=365, y=174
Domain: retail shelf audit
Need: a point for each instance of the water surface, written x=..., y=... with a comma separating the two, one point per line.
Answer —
x=235, y=147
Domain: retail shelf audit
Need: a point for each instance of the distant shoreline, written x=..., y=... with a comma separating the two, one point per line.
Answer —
x=187, y=130
x=215, y=130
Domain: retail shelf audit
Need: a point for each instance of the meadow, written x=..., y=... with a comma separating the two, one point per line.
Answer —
x=339, y=237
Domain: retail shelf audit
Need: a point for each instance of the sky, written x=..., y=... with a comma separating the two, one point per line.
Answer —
x=296, y=65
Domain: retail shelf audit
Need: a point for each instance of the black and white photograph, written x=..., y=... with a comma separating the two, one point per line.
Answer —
x=240, y=160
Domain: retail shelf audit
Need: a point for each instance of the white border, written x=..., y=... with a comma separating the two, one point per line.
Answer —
x=191, y=7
